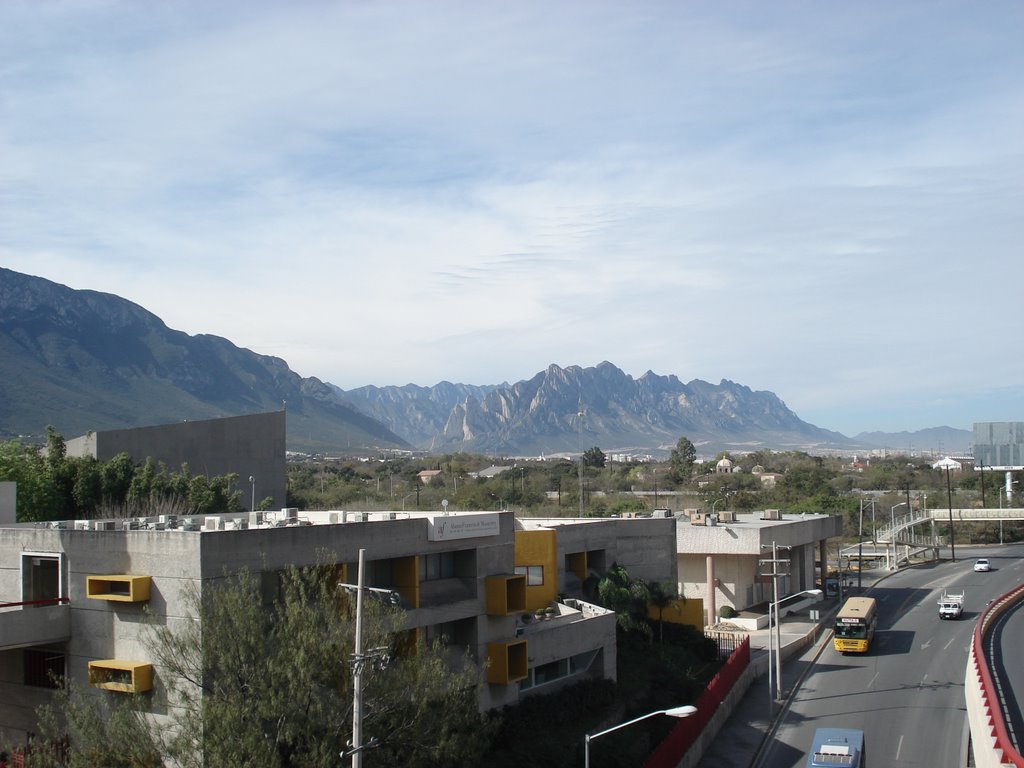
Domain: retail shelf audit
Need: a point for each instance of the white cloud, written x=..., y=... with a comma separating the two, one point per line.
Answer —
x=818, y=200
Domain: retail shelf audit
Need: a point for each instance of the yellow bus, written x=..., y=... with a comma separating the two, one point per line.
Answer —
x=855, y=625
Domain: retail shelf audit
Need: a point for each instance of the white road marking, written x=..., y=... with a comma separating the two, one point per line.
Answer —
x=899, y=746
x=871, y=682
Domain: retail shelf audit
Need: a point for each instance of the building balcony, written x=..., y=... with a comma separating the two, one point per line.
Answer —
x=559, y=614
x=121, y=676
x=38, y=622
x=119, y=588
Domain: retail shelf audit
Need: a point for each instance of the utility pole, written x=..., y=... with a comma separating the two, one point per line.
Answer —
x=775, y=573
x=860, y=545
x=360, y=657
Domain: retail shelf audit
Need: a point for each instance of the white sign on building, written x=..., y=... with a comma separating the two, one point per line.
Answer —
x=462, y=526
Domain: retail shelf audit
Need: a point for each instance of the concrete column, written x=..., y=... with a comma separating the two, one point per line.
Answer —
x=709, y=601
x=823, y=554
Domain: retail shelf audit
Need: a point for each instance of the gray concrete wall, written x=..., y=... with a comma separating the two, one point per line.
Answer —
x=8, y=502
x=248, y=446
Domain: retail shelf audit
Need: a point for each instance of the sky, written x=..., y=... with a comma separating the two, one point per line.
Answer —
x=823, y=200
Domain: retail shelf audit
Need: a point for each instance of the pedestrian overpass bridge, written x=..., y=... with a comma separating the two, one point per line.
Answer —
x=912, y=534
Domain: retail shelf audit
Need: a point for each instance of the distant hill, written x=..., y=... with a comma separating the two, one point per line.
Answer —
x=84, y=360
x=939, y=440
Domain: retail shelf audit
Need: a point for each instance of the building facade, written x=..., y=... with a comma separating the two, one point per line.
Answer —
x=73, y=594
x=728, y=559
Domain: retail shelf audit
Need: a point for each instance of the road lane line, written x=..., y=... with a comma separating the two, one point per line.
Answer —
x=899, y=746
x=951, y=641
x=871, y=682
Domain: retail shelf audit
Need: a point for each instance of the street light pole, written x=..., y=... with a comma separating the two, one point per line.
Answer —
x=778, y=651
x=685, y=711
x=357, y=673
x=952, y=536
x=252, y=482
x=579, y=445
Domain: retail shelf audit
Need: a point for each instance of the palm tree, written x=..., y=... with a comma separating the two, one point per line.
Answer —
x=627, y=597
x=663, y=595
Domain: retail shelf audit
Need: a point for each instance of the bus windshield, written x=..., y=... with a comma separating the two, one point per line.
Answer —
x=851, y=630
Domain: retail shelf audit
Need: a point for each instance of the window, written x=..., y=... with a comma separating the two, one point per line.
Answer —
x=437, y=566
x=41, y=577
x=534, y=574
x=445, y=632
x=559, y=669
x=43, y=669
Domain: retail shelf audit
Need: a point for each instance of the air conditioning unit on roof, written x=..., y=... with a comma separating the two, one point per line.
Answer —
x=772, y=514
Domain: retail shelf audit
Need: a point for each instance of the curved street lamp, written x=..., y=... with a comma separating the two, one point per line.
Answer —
x=773, y=608
x=684, y=711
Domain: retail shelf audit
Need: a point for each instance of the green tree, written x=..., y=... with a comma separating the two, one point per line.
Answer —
x=117, y=480
x=261, y=684
x=25, y=465
x=681, y=460
x=594, y=457
x=628, y=597
x=662, y=596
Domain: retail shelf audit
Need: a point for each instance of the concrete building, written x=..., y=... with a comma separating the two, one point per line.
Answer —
x=725, y=559
x=252, y=447
x=72, y=594
x=8, y=501
x=999, y=445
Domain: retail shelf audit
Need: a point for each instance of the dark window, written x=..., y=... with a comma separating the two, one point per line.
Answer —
x=437, y=566
x=43, y=669
x=445, y=632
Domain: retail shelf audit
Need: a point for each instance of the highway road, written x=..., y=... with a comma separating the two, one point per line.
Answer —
x=1005, y=639
x=907, y=692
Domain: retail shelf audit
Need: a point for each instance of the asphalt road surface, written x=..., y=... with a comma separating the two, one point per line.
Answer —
x=907, y=692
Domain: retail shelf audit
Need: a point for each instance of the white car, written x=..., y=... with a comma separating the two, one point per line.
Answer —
x=982, y=564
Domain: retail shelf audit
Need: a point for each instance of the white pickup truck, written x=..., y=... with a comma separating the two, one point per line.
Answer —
x=951, y=604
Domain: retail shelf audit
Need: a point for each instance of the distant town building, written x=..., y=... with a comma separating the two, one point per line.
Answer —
x=999, y=445
x=427, y=475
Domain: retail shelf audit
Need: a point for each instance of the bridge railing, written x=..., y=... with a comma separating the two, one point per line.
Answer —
x=902, y=524
x=990, y=736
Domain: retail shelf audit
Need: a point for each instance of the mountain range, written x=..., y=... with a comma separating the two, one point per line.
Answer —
x=83, y=360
